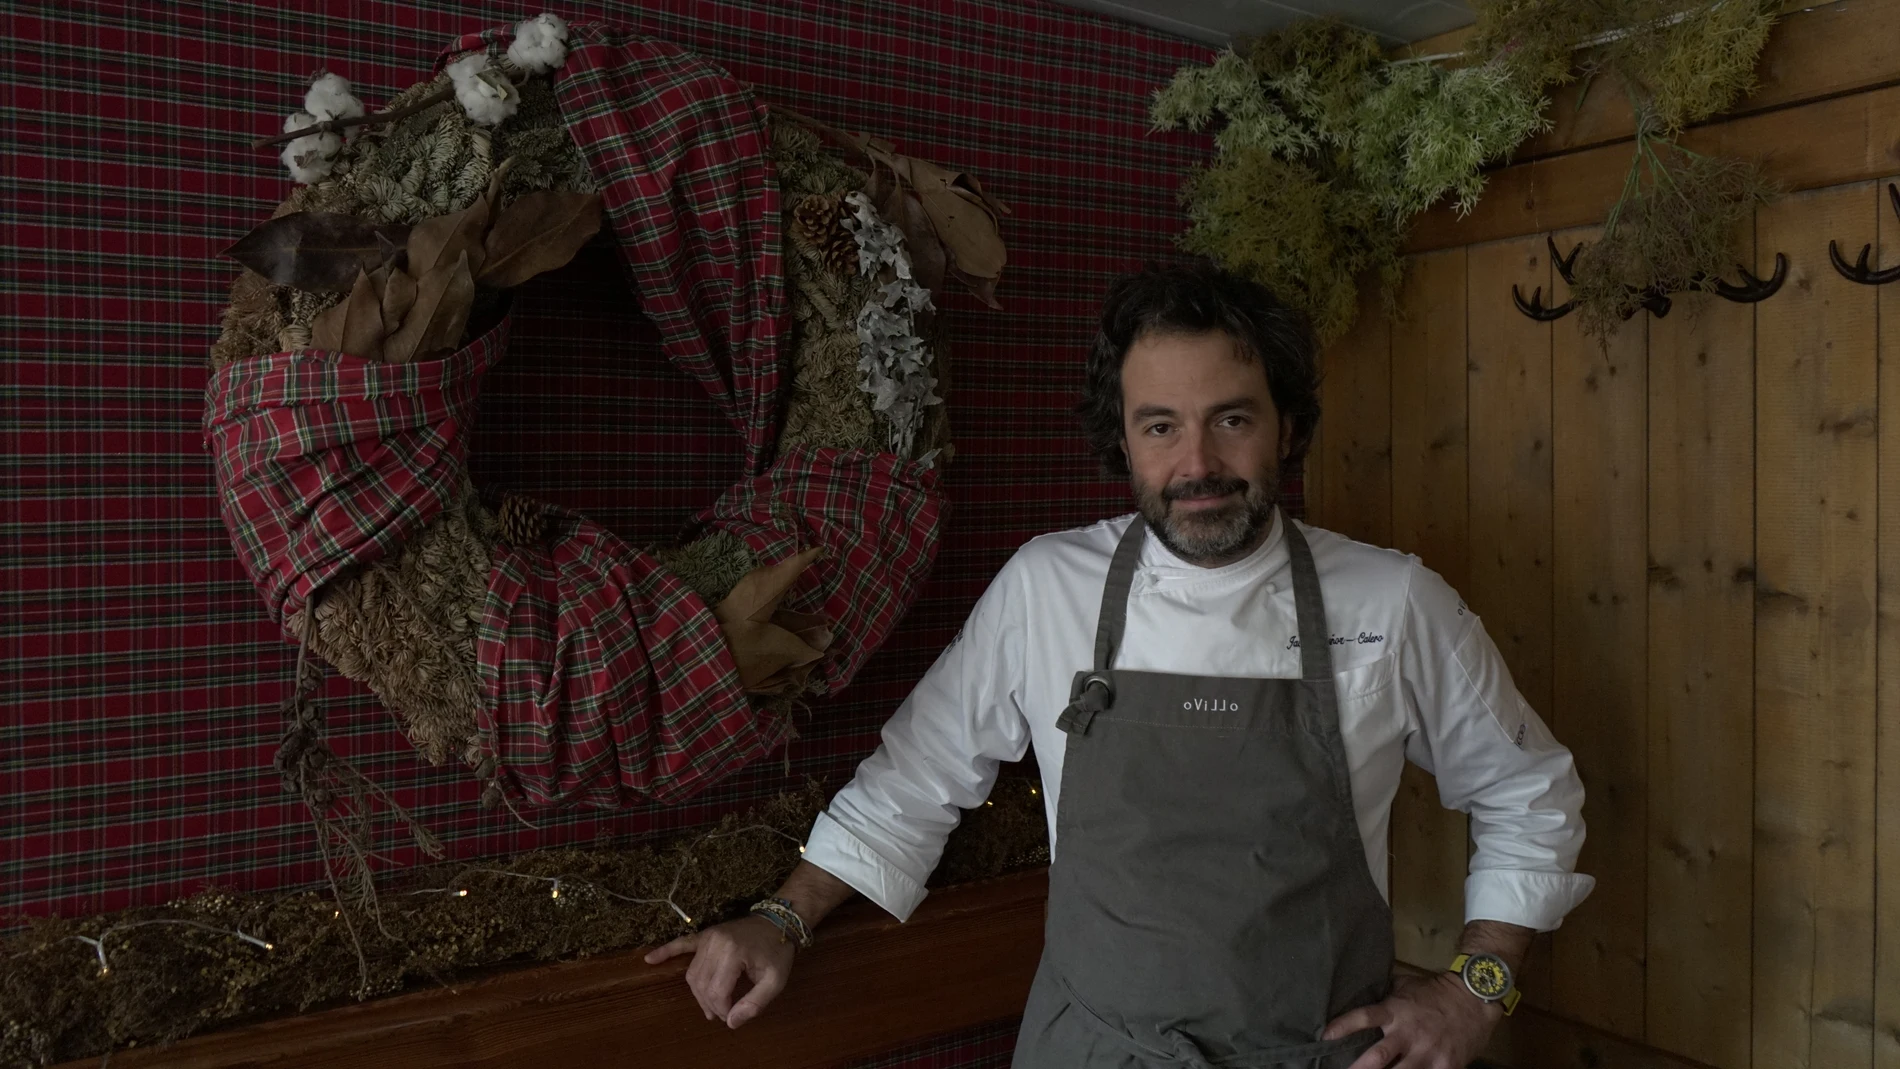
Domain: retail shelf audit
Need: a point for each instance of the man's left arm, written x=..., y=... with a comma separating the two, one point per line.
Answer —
x=1494, y=759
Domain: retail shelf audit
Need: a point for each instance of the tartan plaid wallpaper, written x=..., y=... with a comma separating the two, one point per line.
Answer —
x=139, y=673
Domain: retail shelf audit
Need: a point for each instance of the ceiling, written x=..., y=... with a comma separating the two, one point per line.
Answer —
x=1217, y=22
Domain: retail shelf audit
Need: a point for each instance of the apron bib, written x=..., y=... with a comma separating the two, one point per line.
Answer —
x=1209, y=905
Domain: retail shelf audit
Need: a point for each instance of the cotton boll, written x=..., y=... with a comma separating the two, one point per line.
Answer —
x=540, y=44
x=310, y=159
x=330, y=98
x=484, y=93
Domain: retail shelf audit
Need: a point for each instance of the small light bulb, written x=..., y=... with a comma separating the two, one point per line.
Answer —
x=989, y=803
x=463, y=893
x=335, y=913
x=556, y=893
x=1033, y=790
x=270, y=946
x=801, y=848
x=103, y=970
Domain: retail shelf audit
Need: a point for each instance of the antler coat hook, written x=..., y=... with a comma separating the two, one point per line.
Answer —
x=1535, y=307
x=1860, y=272
x=1656, y=298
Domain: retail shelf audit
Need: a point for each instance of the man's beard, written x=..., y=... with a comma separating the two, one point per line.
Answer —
x=1210, y=536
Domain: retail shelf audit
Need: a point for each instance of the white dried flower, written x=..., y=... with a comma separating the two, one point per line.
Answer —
x=311, y=158
x=540, y=44
x=483, y=91
x=329, y=97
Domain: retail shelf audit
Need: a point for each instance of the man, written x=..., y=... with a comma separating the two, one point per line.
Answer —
x=1221, y=702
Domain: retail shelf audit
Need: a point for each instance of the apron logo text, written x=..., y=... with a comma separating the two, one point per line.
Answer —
x=1210, y=705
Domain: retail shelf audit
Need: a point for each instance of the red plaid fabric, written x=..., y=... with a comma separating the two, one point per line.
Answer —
x=683, y=159
x=327, y=462
x=139, y=669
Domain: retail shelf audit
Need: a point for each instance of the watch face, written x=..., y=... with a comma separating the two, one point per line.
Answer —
x=1488, y=977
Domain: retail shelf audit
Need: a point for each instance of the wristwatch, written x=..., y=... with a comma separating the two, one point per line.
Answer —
x=1486, y=976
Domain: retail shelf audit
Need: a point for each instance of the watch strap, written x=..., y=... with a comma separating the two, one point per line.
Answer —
x=1508, y=1000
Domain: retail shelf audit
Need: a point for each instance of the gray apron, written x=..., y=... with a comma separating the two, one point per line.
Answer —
x=1209, y=904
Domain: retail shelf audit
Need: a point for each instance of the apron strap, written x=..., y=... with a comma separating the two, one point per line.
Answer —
x=1316, y=649
x=1121, y=577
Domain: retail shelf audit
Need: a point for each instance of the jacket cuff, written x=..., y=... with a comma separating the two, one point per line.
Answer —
x=849, y=858
x=1535, y=900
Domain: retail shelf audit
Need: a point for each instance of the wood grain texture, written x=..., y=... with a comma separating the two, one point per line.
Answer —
x=1356, y=407
x=862, y=990
x=1430, y=846
x=1701, y=641
x=1600, y=696
x=1509, y=552
x=1887, y=696
x=1845, y=139
x=1814, y=654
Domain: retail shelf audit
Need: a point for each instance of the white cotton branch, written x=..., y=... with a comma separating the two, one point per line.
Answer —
x=310, y=159
x=330, y=98
x=483, y=91
x=540, y=44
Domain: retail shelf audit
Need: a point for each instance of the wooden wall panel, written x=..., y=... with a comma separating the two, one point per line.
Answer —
x=1509, y=554
x=1599, y=668
x=1429, y=517
x=1356, y=407
x=1701, y=639
x=1887, y=637
x=1814, y=653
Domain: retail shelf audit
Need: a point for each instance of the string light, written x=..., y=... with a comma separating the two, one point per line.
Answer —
x=98, y=944
x=555, y=883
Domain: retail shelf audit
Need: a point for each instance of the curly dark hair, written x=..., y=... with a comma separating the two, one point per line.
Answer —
x=1191, y=298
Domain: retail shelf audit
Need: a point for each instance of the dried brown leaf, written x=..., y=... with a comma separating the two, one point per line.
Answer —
x=399, y=295
x=757, y=595
x=984, y=288
x=326, y=331
x=539, y=232
x=899, y=206
x=443, y=299
x=437, y=241
x=363, y=331
x=968, y=231
x=766, y=655
x=321, y=252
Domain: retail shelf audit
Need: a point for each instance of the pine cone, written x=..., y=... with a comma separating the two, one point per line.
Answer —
x=841, y=253
x=522, y=520
x=814, y=220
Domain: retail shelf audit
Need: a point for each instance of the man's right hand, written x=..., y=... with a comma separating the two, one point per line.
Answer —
x=750, y=947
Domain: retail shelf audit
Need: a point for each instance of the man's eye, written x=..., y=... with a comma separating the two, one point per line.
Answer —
x=1158, y=428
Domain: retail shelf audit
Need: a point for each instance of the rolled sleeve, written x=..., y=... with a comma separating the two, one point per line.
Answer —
x=1494, y=759
x=885, y=831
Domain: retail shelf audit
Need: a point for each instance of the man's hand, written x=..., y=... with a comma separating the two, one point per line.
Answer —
x=1430, y=1022
x=750, y=947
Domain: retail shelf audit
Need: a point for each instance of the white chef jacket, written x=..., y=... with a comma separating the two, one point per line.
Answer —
x=1417, y=676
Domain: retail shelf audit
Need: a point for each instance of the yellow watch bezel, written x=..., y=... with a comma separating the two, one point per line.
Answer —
x=1510, y=996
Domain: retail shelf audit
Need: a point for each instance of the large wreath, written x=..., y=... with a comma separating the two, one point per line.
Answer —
x=559, y=662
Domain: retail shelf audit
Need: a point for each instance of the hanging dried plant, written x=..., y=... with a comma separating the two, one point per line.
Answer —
x=1672, y=231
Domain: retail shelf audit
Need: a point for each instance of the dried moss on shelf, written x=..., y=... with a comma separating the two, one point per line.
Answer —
x=167, y=982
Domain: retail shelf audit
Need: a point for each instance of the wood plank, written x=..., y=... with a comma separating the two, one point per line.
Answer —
x=1816, y=485
x=1510, y=484
x=1701, y=639
x=1356, y=406
x=1887, y=697
x=1429, y=842
x=858, y=992
x=1846, y=139
x=1599, y=702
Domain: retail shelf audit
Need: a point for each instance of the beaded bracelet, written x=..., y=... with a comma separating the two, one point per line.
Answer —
x=789, y=924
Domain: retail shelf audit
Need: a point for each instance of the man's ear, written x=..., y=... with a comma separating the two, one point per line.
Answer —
x=1286, y=438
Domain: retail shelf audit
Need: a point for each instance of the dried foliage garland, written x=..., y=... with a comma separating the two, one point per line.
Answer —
x=1325, y=150
x=219, y=957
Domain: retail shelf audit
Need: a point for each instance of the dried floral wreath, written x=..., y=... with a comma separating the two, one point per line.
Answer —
x=1327, y=150
x=561, y=664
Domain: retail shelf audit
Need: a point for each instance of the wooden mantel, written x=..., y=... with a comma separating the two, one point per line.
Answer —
x=869, y=985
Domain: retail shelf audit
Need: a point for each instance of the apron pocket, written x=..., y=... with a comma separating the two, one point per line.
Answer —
x=1184, y=1053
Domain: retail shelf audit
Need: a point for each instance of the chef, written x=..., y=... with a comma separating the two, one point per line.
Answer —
x=1221, y=700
